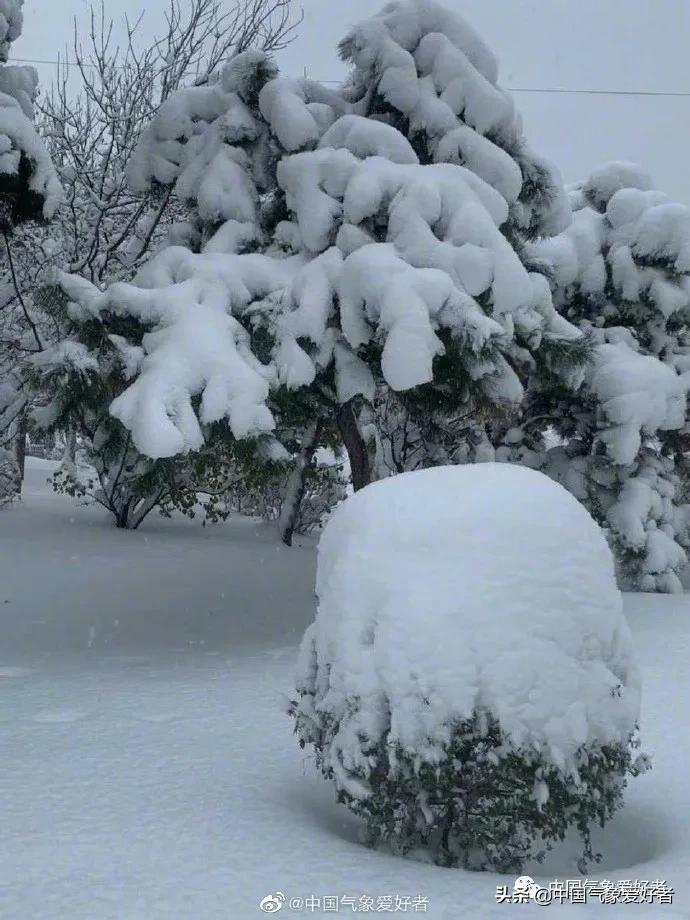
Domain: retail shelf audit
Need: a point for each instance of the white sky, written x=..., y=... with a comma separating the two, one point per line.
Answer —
x=579, y=44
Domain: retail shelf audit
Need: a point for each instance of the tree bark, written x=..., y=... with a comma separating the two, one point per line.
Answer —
x=360, y=465
x=20, y=444
x=70, y=454
x=294, y=492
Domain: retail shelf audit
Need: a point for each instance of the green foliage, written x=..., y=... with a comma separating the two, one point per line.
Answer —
x=18, y=201
x=230, y=476
x=559, y=362
x=114, y=475
x=479, y=806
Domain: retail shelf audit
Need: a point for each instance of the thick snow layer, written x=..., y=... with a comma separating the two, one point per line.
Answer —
x=608, y=179
x=148, y=769
x=18, y=86
x=644, y=238
x=627, y=252
x=163, y=149
x=22, y=83
x=386, y=42
x=18, y=136
x=638, y=394
x=455, y=590
x=199, y=129
x=286, y=106
x=394, y=251
x=430, y=65
x=443, y=248
x=643, y=516
x=11, y=21
x=196, y=346
x=366, y=138
x=440, y=216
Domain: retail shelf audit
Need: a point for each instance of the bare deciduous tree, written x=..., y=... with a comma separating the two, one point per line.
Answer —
x=93, y=134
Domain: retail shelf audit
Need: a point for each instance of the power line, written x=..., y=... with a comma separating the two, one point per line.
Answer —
x=513, y=89
x=575, y=92
x=53, y=63
x=598, y=92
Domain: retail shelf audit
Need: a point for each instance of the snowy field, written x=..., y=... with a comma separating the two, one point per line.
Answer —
x=147, y=769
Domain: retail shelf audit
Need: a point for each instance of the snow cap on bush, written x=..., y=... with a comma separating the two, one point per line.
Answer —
x=453, y=590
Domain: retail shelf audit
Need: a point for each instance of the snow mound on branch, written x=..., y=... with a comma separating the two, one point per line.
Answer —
x=638, y=393
x=22, y=84
x=443, y=249
x=400, y=26
x=18, y=137
x=186, y=143
x=430, y=65
x=439, y=216
x=460, y=590
x=11, y=20
x=195, y=347
x=298, y=111
x=163, y=150
x=634, y=228
x=215, y=361
x=610, y=178
x=366, y=138
x=643, y=517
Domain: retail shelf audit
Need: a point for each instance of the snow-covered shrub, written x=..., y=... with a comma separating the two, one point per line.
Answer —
x=621, y=273
x=468, y=684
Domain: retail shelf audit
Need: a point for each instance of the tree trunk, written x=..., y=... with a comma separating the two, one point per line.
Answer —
x=294, y=492
x=360, y=465
x=20, y=444
x=70, y=454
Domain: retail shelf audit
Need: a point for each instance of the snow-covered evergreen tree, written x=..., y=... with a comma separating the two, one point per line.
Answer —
x=341, y=244
x=422, y=69
x=621, y=273
x=29, y=187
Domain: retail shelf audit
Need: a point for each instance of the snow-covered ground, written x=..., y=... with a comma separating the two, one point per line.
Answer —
x=147, y=769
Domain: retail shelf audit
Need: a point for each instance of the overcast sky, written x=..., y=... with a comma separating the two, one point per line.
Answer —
x=626, y=45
